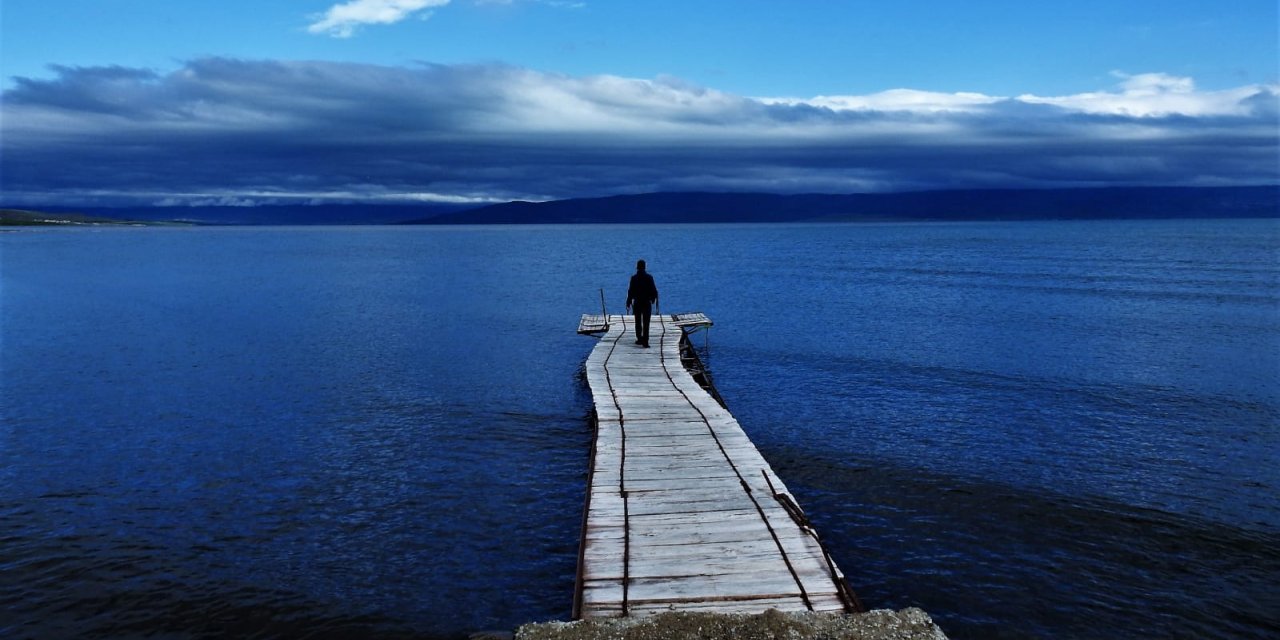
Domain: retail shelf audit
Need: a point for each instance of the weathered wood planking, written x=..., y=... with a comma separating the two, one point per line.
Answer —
x=683, y=513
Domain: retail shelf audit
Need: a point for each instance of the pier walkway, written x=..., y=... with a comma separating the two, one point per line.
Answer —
x=682, y=511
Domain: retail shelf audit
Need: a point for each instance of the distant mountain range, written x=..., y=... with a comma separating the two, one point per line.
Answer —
x=973, y=204
x=24, y=218
x=980, y=204
x=289, y=214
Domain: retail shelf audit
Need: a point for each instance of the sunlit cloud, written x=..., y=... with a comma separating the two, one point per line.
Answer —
x=317, y=131
x=342, y=20
x=894, y=100
x=1157, y=94
x=1141, y=95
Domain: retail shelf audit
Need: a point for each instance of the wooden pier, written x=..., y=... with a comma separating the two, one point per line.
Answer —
x=682, y=511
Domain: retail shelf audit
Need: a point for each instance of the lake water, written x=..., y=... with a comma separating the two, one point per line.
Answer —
x=1056, y=429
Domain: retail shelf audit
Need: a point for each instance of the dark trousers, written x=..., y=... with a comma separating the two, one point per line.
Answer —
x=642, y=312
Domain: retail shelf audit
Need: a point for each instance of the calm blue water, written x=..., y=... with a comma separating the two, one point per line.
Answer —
x=1028, y=429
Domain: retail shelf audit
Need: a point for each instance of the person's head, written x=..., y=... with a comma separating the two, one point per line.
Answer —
x=639, y=265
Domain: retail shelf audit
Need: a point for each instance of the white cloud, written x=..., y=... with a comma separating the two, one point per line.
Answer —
x=894, y=100
x=1141, y=95
x=1154, y=83
x=1155, y=94
x=341, y=20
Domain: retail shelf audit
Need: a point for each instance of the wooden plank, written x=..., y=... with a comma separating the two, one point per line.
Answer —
x=703, y=587
x=753, y=605
x=667, y=492
x=593, y=324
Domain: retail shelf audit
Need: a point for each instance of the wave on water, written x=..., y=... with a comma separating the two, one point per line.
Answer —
x=970, y=552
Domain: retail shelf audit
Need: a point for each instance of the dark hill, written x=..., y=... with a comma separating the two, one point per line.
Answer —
x=980, y=204
x=26, y=218
x=269, y=214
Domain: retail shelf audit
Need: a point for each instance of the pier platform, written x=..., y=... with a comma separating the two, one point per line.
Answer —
x=682, y=512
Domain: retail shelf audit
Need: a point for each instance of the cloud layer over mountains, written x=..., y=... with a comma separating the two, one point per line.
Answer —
x=232, y=131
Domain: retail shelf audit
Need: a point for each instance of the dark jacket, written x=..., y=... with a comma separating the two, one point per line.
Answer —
x=642, y=290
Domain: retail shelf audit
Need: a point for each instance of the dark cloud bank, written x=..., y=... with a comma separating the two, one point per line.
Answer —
x=232, y=132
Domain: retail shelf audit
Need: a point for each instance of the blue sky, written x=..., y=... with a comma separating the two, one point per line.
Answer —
x=488, y=99
x=751, y=47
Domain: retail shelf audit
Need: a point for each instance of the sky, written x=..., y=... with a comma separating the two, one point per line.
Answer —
x=133, y=102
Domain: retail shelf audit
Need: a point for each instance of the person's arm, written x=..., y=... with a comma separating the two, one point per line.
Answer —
x=631, y=287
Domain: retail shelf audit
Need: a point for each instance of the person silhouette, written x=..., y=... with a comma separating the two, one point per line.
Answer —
x=641, y=294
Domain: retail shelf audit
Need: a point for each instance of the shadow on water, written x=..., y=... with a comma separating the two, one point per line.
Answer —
x=1200, y=454
x=991, y=561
